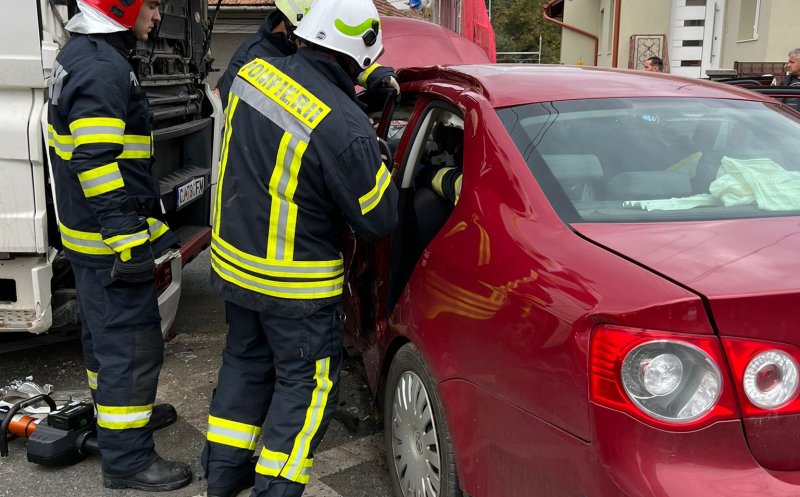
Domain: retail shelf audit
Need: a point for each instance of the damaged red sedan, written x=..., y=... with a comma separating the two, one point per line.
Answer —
x=609, y=307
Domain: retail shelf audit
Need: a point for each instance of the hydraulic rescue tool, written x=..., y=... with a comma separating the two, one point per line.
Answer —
x=65, y=436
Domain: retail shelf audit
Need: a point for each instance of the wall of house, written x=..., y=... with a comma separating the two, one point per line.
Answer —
x=783, y=33
x=583, y=14
x=739, y=45
x=596, y=16
x=223, y=45
x=777, y=32
x=641, y=18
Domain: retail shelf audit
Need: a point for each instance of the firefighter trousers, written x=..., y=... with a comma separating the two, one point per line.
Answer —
x=279, y=381
x=123, y=350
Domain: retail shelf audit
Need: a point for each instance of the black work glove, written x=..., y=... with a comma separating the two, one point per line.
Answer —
x=381, y=77
x=135, y=264
x=140, y=268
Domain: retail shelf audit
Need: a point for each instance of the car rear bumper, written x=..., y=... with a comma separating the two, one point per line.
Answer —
x=711, y=462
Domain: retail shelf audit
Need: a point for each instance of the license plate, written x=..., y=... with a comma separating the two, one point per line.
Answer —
x=186, y=193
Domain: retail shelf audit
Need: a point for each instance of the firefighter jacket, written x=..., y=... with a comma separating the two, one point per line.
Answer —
x=263, y=44
x=299, y=159
x=100, y=148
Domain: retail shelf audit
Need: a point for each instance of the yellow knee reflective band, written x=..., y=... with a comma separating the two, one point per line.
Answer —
x=101, y=180
x=92, y=377
x=123, y=417
x=232, y=433
x=369, y=200
x=302, y=443
x=90, y=130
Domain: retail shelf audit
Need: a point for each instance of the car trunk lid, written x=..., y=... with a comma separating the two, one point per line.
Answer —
x=746, y=269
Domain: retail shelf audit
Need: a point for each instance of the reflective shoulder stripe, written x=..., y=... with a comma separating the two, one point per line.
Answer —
x=97, y=130
x=232, y=433
x=458, y=187
x=369, y=200
x=282, y=118
x=101, y=180
x=284, y=91
x=123, y=417
x=293, y=470
x=276, y=288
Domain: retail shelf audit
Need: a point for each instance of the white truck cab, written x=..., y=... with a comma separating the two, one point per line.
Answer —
x=37, y=291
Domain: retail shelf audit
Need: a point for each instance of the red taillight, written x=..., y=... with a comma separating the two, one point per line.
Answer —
x=766, y=375
x=670, y=380
x=163, y=277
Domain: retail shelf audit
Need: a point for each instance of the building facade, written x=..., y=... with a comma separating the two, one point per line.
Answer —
x=692, y=36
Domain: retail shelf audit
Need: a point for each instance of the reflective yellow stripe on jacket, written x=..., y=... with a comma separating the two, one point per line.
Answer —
x=297, y=111
x=86, y=242
x=285, y=279
x=133, y=146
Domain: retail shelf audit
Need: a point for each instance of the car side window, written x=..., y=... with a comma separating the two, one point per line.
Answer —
x=438, y=143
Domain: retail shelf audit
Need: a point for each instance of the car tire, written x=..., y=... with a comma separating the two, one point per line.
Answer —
x=419, y=449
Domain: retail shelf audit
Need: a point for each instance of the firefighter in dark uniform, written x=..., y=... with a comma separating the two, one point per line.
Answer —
x=274, y=38
x=108, y=205
x=300, y=159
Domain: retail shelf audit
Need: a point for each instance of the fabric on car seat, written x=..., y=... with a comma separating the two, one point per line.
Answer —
x=431, y=212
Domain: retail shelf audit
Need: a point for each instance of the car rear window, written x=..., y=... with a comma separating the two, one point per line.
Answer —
x=653, y=159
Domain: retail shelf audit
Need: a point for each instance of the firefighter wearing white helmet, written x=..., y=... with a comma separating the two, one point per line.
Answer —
x=275, y=38
x=354, y=31
x=300, y=161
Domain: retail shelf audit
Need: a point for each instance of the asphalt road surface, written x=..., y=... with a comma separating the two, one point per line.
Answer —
x=350, y=461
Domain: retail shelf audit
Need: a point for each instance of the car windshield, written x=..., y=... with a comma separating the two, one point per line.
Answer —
x=651, y=159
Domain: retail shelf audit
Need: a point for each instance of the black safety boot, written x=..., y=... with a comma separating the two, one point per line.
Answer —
x=163, y=415
x=244, y=478
x=160, y=476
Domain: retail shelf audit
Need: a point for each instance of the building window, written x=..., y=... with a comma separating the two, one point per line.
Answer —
x=748, y=19
x=695, y=3
x=692, y=43
x=690, y=63
x=694, y=22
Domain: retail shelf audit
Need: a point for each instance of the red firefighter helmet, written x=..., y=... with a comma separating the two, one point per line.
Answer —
x=124, y=12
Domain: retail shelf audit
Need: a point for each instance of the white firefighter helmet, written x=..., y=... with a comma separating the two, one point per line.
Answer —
x=294, y=10
x=350, y=27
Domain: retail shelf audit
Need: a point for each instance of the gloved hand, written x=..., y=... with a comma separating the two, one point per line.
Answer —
x=140, y=268
x=380, y=77
x=132, y=264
